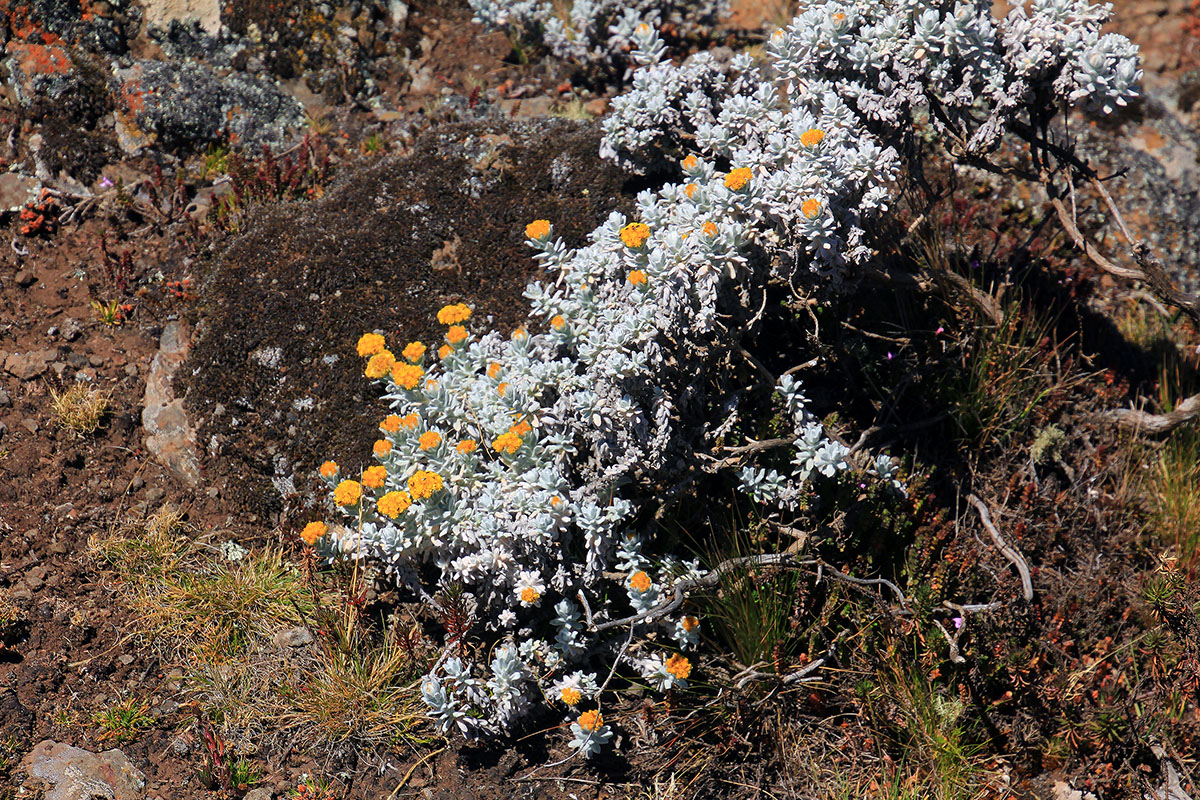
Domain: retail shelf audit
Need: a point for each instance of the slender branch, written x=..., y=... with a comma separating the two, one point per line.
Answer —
x=712, y=578
x=1008, y=551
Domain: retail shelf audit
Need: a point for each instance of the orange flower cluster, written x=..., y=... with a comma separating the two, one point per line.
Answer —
x=347, y=493
x=393, y=504
x=424, y=483
x=538, y=229
x=313, y=531
x=738, y=178
x=454, y=314
x=635, y=234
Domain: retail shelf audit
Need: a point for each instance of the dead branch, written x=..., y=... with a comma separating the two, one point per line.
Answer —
x=1008, y=551
x=1137, y=420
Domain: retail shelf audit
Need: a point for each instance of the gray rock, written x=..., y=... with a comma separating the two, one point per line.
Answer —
x=189, y=102
x=170, y=435
x=5, y=400
x=261, y=793
x=69, y=773
x=27, y=366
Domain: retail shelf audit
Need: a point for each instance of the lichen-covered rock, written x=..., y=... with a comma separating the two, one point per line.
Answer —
x=69, y=773
x=191, y=102
x=273, y=378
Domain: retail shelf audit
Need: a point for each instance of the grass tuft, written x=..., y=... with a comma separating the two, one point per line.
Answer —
x=79, y=408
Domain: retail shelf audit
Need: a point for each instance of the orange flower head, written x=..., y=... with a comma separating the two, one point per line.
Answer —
x=347, y=493
x=456, y=335
x=690, y=624
x=328, y=469
x=445, y=350
x=506, y=443
x=557, y=322
x=493, y=369
x=738, y=178
x=635, y=234
x=571, y=696
x=636, y=277
x=313, y=531
x=380, y=364
x=812, y=137
x=413, y=351
x=690, y=162
x=679, y=667
x=391, y=423
x=521, y=428
x=454, y=314
x=838, y=16
x=811, y=207
x=466, y=446
x=556, y=501
x=373, y=477
x=502, y=388
x=529, y=595
x=393, y=504
x=407, y=375
x=710, y=229
x=430, y=440
x=370, y=344
x=382, y=447
x=519, y=334
x=424, y=483
x=590, y=720
x=690, y=190
x=538, y=229
x=640, y=581
x=410, y=421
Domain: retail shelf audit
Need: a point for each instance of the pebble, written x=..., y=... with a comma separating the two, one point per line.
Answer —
x=293, y=637
x=137, y=482
x=131, y=370
x=25, y=278
x=154, y=495
x=126, y=659
x=95, y=360
x=30, y=424
x=35, y=578
x=5, y=400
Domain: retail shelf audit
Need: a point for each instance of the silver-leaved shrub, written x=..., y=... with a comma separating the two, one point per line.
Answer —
x=516, y=468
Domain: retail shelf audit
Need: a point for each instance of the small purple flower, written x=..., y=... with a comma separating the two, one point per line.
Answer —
x=889, y=356
x=958, y=623
x=974, y=263
x=105, y=183
x=940, y=330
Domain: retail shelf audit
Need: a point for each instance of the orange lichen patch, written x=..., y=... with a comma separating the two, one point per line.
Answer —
x=37, y=59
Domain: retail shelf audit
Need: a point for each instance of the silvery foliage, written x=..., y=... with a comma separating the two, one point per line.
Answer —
x=625, y=392
x=600, y=32
x=874, y=71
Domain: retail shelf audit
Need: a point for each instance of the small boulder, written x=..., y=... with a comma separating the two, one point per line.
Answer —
x=69, y=773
